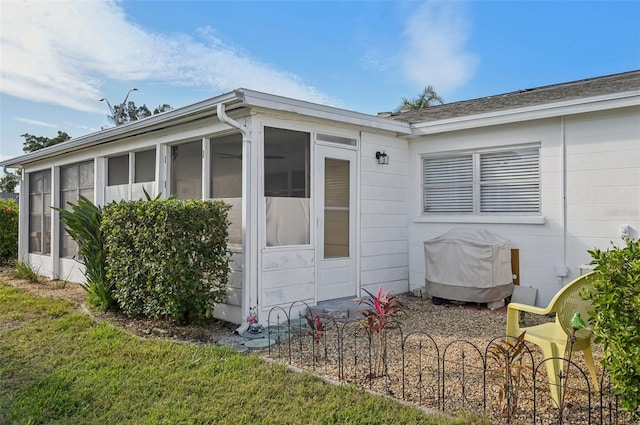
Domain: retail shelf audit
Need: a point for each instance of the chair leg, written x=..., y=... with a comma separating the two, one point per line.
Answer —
x=588, y=357
x=553, y=372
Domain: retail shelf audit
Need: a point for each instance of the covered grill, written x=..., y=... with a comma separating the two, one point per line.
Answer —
x=468, y=265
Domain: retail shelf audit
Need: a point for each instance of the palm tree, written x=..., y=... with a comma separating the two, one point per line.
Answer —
x=427, y=98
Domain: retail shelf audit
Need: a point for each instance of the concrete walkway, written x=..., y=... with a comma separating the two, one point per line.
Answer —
x=343, y=308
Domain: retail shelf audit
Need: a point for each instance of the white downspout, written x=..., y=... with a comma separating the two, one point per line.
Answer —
x=246, y=209
x=4, y=170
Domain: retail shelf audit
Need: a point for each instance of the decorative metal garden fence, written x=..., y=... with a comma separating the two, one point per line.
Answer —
x=505, y=380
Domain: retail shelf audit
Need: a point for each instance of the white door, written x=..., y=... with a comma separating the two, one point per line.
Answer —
x=336, y=219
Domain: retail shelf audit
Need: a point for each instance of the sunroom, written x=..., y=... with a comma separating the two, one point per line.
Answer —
x=313, y=215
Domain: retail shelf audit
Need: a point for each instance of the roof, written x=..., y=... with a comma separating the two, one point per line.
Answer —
x=240, y=98
x=616, y=83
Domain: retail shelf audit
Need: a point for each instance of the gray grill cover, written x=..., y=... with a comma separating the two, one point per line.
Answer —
x=468, y=265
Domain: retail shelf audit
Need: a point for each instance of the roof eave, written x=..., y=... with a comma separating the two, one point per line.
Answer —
x=244, y=97
x=120, y=132
x=549, y=110
x=285, y=104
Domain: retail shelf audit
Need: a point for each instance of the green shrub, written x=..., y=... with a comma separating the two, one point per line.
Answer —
x=83, y=224
x=26, y=271
x=616, y=318
x=168, y=258
x=8, y=230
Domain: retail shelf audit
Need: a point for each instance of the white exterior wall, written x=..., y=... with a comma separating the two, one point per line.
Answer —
x=603, y=180
x=231, y=309
x=384, y=214
x=599, y=172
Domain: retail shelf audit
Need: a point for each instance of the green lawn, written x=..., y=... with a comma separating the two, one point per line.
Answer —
x=60, y=366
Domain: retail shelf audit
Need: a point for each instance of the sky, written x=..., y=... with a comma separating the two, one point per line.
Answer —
x=58, y=58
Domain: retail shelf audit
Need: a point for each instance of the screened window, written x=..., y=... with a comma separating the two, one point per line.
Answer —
x=225, y=180
x=490, y=182
x=40, y=212
x=186, y=170
x=118, y=170
x=287, y=186
x=75, y=181
x=145, y=166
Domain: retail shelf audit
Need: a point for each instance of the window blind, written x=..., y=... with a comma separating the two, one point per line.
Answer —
x=510, y=181
x=448, y=184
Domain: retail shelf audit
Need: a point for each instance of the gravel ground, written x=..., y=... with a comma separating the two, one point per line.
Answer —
x=446, y=324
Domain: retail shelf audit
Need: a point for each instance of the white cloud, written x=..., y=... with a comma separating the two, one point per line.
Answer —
x=436, y=52
x=63, y=52
x=36, y=122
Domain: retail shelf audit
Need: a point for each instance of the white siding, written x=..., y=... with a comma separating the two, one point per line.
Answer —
x=384, y=215
x=287, y=276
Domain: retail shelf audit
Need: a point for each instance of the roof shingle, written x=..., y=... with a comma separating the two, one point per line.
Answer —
x=608, y=84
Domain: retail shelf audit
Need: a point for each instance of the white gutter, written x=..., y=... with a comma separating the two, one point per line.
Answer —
x=247, y=255
x=4, y=170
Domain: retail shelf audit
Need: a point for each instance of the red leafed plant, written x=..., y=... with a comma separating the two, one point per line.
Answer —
x=317, y=327
x=317, y=331
x=382, y=307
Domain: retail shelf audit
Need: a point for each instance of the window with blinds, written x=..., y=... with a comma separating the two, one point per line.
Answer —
x=448, y=185
x=489, y=182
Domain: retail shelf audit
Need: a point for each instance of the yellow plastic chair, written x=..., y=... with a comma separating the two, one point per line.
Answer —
x=553, y=338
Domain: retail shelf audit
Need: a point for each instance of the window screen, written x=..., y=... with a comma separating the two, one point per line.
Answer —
x=40, y=212
x=118, y=170
x=75, y=181
x=145, y=166
x=286, y=186
x=186, y=173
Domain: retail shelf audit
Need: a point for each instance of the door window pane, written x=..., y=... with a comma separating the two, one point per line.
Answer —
x=186, y=171
x=336, y=208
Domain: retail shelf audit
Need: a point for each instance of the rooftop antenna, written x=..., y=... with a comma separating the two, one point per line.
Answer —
x=118, y=111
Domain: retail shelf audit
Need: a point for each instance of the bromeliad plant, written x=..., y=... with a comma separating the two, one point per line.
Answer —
x=382, y=308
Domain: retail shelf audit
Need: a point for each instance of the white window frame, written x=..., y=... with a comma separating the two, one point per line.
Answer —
x=528, y=210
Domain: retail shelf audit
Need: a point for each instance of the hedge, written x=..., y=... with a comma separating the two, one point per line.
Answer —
x=8, y=230
x=616, y=318
x=167, y=258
